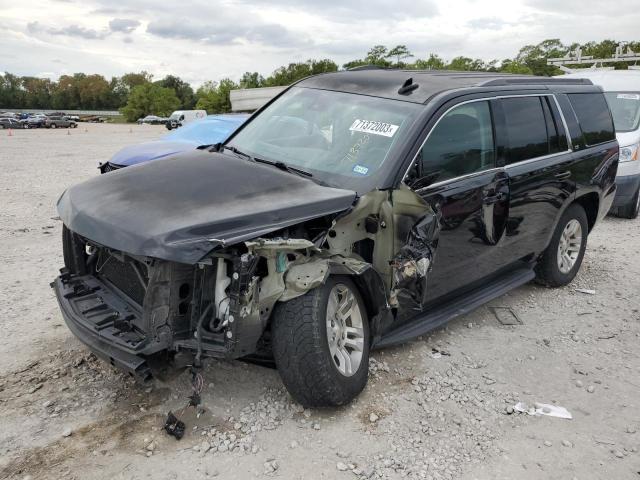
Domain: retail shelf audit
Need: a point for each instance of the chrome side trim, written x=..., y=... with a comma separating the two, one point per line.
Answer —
x=462, y=177
x=485, y=99
x=536, y=159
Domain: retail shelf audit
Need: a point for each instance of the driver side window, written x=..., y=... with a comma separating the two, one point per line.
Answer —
x=462, y=142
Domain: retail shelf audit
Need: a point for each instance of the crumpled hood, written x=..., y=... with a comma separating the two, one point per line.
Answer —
x=144, y=152
x=181, y=208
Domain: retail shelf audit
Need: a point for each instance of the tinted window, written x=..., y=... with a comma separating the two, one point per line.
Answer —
x=594, y=117
x=555, y=133
x=526, y=128
x=461, y=143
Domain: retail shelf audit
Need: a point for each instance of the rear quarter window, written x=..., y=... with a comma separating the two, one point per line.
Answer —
x=594, y=117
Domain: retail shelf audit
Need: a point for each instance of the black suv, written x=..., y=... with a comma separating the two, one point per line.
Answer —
x=355, y=210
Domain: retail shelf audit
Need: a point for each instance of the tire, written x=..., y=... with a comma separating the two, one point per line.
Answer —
x=53, y=125
x=548, y=269
x=301, y=347
x=73, y=251
x=632, y=209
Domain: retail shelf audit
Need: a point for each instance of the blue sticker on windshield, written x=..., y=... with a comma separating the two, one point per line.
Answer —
x=360, y=169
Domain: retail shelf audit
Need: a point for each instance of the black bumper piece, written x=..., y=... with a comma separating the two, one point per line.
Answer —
x=103, y=322
x=626, y=191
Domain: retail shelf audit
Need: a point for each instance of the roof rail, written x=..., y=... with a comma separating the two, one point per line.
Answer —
x=365, y=67
x=496, y=82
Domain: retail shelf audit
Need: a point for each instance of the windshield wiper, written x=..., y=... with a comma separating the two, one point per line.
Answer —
x=236, y=151
x=277, y=164
x=284, y=166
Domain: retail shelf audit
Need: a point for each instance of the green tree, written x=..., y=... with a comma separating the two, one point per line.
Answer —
x=251, y=80
x=37, y=92
x=434, y=62
x=150, y=99
x=378, y=55
x=513, y=66
x=399, y=52
x=467, y=64
x=214, y=97
x=93, y=92
x=12, y=94
x=182, y=89
x=535, y=56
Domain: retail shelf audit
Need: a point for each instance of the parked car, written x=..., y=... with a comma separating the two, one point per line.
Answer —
x=53, y=121
x=208, y=131
x=622, y=91
x=182, y=117
x=93, y=119
x=356, y=210
x=6, y=123
x=152, y=120
x=36, y=121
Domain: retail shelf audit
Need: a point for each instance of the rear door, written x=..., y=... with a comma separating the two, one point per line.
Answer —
x=539, y=163
x=456, y=173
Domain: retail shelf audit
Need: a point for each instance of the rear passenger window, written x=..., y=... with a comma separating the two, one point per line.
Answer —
x=526, y=128
x=461, y=143
x=594, y=117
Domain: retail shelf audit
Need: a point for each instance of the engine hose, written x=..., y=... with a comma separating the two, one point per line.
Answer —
x=199, y=330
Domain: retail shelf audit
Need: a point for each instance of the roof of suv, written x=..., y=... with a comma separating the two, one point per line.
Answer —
x=386, y=83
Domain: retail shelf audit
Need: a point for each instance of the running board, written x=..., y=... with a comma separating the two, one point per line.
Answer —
x=460, y=306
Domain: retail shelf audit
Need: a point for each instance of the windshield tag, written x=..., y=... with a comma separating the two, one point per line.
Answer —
x=375, y=128
x=361, y=169
x=629, y=96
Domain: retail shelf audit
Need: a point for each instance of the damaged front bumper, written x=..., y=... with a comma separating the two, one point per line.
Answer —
x=100, y=319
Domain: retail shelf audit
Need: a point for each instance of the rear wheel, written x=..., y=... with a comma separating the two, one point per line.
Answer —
x=321, y=344
x=561, y=260
x=53, y=125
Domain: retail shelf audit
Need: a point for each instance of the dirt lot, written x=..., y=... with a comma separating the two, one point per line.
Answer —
x=423, y=415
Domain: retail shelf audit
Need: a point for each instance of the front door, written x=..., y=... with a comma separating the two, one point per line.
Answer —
x=455, y=173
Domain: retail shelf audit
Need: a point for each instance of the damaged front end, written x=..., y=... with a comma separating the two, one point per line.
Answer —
x=204, y=282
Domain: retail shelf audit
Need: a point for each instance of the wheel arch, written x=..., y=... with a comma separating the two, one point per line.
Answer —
x=590, y=202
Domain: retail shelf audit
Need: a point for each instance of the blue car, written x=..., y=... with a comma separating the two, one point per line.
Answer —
x=208, y=131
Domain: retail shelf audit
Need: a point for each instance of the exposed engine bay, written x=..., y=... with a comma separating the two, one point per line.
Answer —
x=221, y=306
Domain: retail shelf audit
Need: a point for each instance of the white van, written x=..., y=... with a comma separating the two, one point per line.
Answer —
x=180, y=117
x=622, y=90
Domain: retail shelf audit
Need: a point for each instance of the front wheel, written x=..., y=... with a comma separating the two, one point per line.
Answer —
x=321, y=344
x=53, y=125
x=561, y=260
x=632, y=209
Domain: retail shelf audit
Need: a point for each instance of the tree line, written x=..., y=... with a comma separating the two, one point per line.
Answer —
x=138, y=94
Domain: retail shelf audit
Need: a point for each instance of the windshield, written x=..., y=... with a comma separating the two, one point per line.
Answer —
x=625, y=108
x=207, y=132
x=342, y=139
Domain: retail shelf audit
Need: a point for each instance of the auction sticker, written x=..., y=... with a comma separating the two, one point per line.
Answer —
x=629, y=96
x=374, y=128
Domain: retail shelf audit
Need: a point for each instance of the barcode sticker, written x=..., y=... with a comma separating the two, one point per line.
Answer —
x=374, y=128
x=629, y=96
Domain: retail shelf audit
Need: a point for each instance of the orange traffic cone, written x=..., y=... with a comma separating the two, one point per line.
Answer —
x=68, y=131
x=10, y=133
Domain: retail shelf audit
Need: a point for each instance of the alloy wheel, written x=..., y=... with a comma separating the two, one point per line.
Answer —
x=345, y=330
x=569, y=246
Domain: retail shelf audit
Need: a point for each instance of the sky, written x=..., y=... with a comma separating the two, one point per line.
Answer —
x=201, y=40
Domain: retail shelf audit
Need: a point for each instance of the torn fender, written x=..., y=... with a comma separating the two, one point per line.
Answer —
x=411, y=265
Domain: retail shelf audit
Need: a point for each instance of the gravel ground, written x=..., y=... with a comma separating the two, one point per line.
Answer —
x=437, y=408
